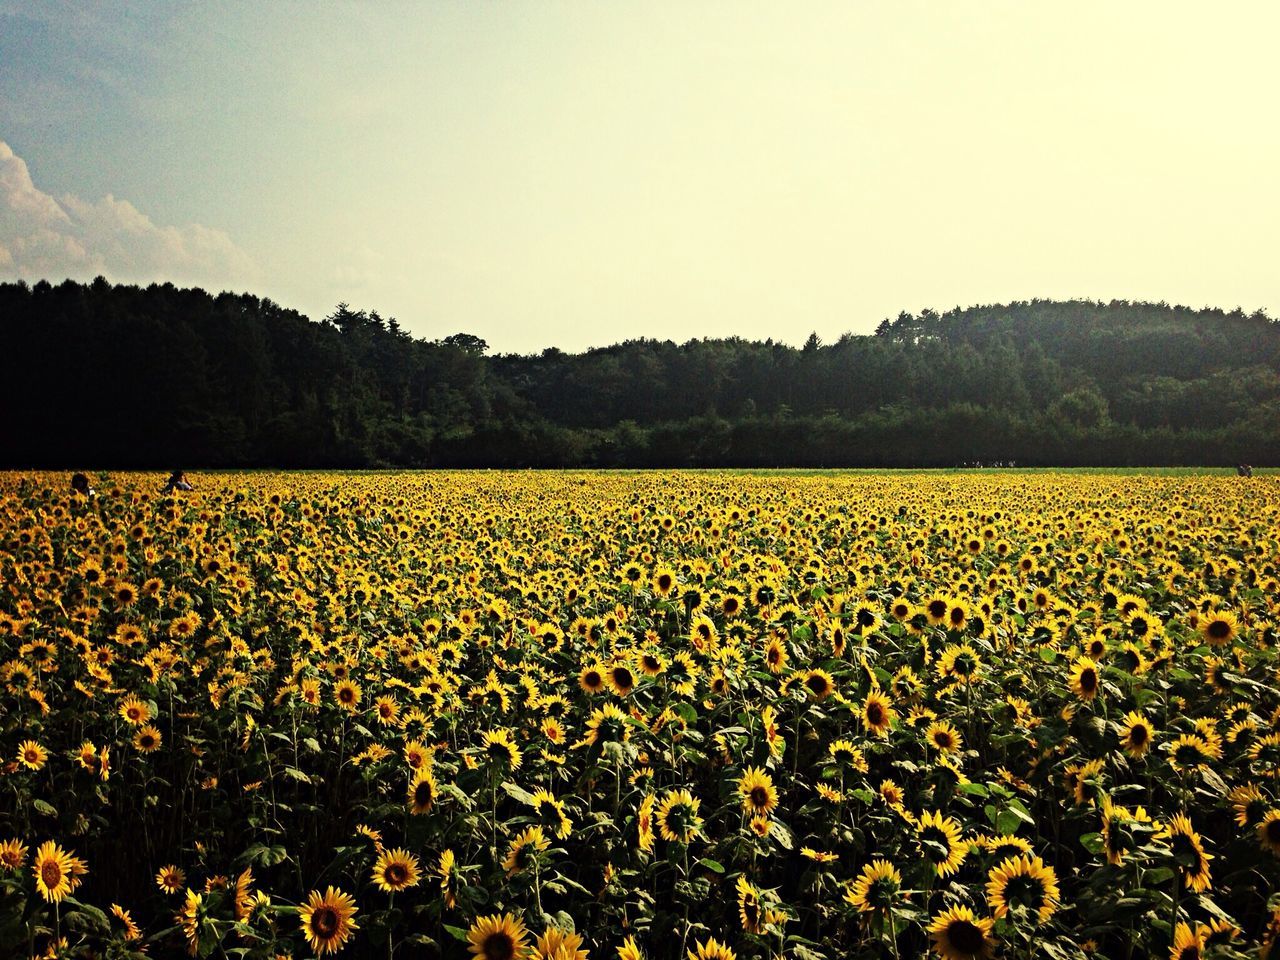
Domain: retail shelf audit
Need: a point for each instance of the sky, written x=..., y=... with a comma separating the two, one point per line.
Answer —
x=573, y=174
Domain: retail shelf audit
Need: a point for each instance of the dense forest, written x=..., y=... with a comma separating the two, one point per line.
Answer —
x=103, y=375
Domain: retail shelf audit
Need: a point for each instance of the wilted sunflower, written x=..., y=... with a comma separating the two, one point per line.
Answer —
x=1023, y=882
x=498, y=937
x=326, y=920
x=759, y=797
x=395, y=870
x=959, y=934
x=877, y=888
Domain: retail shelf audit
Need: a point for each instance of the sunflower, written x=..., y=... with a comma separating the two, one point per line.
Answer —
x=147, y=739
x=1192, y=752
x=526, y=846
x=630, y=950
x=326, y=920
x=663, y=582
x=189, y=919
x=347, y=693
x=1269, y=831
x=593, y=678
x=1136, y=734
x=135, y=711
x=1188, y=852
x=622, y=679
x=1249, y=803
x=819, y=683
x=498, y=937
x=1188, y=943
x=551, y=813
x=171, y=879
x=1219, y=629
x=32, y=755
x=422, y=791
x=13, y=853
x=959, y=934
x=759, y=795
x=557, y=944
x=56, y=871
x=396, y=870
x=749, y=906
x=447, y=871
x=940, y=842
x=607, y=724
x=501, y=749
x=944, y=737
x=712, y=950
x=877, y=887
x=1023, y=882
x=1085, y=679
x=844, y=753
x=775, y=655
x=677, y=816
x=878, y=713
x=644, y=822
x=131, y=930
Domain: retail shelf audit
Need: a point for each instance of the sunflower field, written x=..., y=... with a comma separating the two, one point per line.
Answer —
x=684, y=716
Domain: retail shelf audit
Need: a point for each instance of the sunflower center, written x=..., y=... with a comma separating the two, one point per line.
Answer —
x=965, y=936
x=325, y=922
x=1138, y=735
x=875, y=714
x=396, y=874
x=51, y=874
x=498, y=946
x=1219, y=629
x=759, y=796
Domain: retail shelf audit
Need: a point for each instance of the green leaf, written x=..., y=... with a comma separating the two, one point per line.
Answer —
x=715, y=866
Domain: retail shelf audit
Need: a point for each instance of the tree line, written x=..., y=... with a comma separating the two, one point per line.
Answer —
x=119, y=376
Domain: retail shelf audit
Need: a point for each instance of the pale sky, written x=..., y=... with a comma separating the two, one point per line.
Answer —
x=578, y=173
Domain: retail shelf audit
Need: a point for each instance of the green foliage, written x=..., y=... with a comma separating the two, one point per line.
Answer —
x=121, y=376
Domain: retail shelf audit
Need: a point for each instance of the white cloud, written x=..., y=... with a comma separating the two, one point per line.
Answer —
x=46, y=238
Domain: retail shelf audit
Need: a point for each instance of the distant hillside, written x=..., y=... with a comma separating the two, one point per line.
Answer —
x=117, y=376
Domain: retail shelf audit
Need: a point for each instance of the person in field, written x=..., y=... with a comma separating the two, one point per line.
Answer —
x=177, y=481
